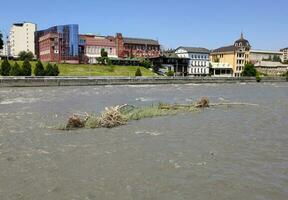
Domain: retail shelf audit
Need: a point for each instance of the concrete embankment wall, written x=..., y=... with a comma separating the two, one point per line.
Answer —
x=86, y=81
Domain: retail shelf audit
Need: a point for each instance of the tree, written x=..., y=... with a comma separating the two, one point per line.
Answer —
x=26, y=68
x=55, y=70
x=39, y=69
x=1, y=41
x=49, y=70
x=23, y=55
x=15, y=70
x=276, y=58
x=103, y=60
x=104, y=53
x=138, y=72
x=249, y=70
x=5, y=68
x=146, y=63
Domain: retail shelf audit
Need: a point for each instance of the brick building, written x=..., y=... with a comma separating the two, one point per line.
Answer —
x=50, y=47
x=91, y=46
x=58, y=44
x=136, y=47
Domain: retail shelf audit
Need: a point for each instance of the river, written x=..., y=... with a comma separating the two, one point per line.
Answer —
x=235, y=152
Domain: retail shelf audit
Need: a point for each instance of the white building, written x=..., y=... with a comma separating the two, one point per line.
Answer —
x=199, y=60
x=260, y=55
x=21, y=38
x=285, y=54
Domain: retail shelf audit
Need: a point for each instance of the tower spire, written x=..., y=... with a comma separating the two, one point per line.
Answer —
x=242, y=37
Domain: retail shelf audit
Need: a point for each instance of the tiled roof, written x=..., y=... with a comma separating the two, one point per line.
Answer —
x=225, y=49
x=195, y=49
x=91, y=40
x=140, y=41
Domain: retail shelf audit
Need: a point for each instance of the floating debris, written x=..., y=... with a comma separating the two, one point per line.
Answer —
x=119, y=115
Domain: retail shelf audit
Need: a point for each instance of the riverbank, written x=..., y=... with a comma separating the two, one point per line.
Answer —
x=93, y=81
x=93, y=70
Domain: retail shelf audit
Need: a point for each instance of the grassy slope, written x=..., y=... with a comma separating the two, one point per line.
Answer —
x=95, y=70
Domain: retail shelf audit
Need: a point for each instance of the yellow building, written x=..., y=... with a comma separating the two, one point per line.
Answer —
x=236, y=55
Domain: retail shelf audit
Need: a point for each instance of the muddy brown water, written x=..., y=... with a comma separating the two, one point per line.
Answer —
x=238, y=152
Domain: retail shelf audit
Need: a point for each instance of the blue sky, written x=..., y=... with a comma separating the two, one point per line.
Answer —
x=206, y=23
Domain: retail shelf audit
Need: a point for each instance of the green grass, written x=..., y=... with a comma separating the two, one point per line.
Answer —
x=95, y=70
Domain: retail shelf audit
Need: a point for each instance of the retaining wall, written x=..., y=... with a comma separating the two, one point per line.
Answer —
x=87, y=81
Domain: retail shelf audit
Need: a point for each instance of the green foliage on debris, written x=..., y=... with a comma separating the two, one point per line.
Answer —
x=119, y=115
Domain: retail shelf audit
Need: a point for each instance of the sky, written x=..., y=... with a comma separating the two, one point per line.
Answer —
x=202, y=23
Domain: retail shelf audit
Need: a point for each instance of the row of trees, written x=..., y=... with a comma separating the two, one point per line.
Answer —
x=26, y=69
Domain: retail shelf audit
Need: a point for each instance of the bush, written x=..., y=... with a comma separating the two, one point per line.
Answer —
x=26, y=68
x=15, y=70
x=170, y=73
x=258, y=78
x=39, y=69
x=5, y=68
x=249, y=70
x=146, y=63
x=49, y=70
x=56, y=70
x=138, y=72
x=23, y=55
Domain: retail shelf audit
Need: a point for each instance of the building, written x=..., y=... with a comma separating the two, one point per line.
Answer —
x=136, y=47
x=91, y=46
x=170, y=61
x=50, y=47
x=199, y=59
x=271, y=68
x=236, y=55
x=221, y=69
x=58, y=44
x=260, y=55
x=21, y=38
x=285, y=54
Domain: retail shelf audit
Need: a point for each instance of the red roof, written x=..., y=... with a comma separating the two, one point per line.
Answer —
x=92, y=40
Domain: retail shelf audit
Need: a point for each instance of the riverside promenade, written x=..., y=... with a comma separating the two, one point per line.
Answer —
x=94, y=81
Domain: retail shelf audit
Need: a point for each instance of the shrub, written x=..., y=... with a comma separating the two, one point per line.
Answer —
x=55, y=70
x=138, y=72
x=249, y=70
x=146, y=63
x=26, y=68
x=15, y=70
x=39, y=69
x=258, y=78
x=170, y=73
x=49, y=70
x=5, y=68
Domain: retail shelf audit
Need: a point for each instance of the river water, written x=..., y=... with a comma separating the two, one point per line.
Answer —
x=236, y=152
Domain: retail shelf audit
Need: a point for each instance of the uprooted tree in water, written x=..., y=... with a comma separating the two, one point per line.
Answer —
x=119, y=115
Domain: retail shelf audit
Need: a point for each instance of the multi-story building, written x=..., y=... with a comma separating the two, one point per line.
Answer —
x=260, y=55
x=21, y=38
x=136, y=47
x=285, y=54
x=58, y=44
x=91, y=46
x=236, y=55
x=50, y=47
x=199, y=59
